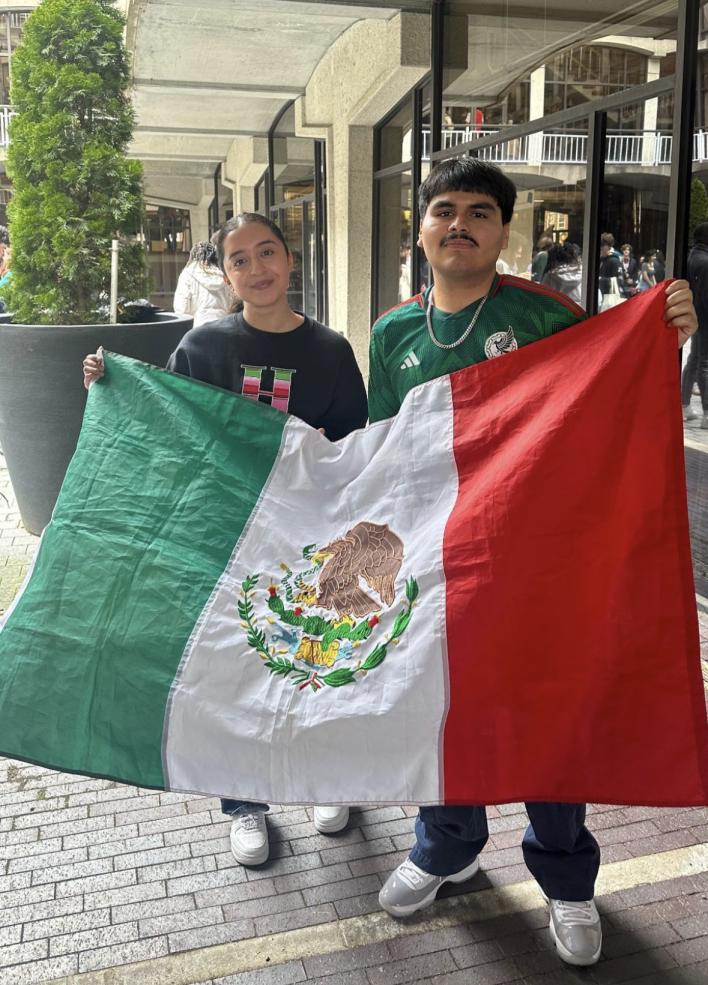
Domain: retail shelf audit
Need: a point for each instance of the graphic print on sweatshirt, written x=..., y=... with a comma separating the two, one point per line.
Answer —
x=255, y=387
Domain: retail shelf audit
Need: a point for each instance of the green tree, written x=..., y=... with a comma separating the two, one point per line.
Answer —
x=698, y=208
x=74, y=188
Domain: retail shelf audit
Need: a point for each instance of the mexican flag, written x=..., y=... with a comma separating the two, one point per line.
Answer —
x=487, y=598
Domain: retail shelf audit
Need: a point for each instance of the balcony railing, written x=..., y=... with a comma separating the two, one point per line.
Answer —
x=5, y=114
x=646, y=148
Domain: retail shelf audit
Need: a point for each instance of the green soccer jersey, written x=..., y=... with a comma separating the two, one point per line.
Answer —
x=402, y=354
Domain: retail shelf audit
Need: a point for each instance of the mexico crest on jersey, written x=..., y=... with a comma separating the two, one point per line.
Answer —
x=500, y=343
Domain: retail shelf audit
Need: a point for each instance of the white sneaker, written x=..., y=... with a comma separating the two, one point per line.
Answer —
x=409, y=888
x=689, y=414
x=329, y=820
x=575, y=927
x=249, y=838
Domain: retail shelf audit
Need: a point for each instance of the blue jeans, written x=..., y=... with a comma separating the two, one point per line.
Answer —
x=234, y=807
x=558, y=849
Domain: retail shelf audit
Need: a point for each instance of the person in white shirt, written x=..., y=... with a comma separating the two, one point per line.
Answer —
x=201, y=290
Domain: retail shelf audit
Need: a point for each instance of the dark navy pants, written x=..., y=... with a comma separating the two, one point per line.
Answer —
x=558, y=849
x=234, y=807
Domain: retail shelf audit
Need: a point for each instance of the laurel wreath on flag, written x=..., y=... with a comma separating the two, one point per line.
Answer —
x=326, y=632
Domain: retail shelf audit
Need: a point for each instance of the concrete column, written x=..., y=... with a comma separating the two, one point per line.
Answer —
x=369, y=69
x=199, y=219
x=651, y=108
x=245, y=164
x=536, y=104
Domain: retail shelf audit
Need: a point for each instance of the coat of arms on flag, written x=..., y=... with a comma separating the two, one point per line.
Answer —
x=320, y=617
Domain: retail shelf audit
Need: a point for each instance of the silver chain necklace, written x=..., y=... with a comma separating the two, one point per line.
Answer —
x=429, y=322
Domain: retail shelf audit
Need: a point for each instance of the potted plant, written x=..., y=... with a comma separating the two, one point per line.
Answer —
x=74, y=191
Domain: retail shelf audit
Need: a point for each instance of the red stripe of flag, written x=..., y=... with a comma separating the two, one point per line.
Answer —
x=572, y=632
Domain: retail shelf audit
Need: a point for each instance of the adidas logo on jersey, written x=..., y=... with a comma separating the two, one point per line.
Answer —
x=411, y=361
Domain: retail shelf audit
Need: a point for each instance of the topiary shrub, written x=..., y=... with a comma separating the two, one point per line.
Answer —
x=74, y=190
x=698, y=208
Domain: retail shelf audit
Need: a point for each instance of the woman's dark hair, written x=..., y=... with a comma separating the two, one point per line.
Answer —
x=562, y=255
x=469, y=174
x=204, y=253
x=241, y=219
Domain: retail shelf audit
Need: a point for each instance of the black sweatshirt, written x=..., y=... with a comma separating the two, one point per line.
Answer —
x=311, y=371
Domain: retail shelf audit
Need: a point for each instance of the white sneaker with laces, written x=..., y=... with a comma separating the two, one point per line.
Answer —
x=409, y=888
x=249, y=838
x=575, y=927
x=329, y=820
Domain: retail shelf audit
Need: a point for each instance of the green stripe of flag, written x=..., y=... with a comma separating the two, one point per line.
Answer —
x=141, y=542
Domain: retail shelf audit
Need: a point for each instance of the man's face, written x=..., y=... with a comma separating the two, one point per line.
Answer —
x=463, y=234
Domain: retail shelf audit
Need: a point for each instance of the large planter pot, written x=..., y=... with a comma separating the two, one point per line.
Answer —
x=42, y=397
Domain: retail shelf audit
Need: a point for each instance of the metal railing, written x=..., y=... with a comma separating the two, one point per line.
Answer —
x=647, y=148
x=5, y=114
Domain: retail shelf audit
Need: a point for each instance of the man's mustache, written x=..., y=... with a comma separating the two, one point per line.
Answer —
x=452, y=236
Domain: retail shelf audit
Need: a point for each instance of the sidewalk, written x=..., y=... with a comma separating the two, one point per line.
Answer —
x=104, y=883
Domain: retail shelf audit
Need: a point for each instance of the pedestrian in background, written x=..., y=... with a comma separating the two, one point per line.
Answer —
x=564, y=270
x=201, y=290
x=629, y=285
x=610, y=271
x=696, y=367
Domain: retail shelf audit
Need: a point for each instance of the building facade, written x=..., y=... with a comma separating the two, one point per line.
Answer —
x=327, y=115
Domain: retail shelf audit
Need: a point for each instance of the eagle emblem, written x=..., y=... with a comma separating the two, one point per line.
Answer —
x=313, y=623
x=369, y=551
x=500, y=343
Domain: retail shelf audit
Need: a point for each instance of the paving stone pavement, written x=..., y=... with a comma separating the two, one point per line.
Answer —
x=97, y=875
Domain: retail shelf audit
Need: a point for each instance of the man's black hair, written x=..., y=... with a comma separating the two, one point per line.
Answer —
x=242, y=219
x=469, y=174
x=700, y=234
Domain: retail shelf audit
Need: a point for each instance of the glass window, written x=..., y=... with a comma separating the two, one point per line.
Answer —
x=298, y=192
x=293, y=161
x=168, y=240
x=635, y=205
x=393, y=241
x=396, y=138
x=588, y=72
x=694, y=367
x=500, y=68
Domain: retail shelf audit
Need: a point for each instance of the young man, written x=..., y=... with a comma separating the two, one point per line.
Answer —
x=471, y=314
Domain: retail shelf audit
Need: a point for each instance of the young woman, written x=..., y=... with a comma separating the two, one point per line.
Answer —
x=318, y=381
x=648, y=276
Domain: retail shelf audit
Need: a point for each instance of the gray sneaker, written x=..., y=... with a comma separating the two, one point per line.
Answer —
x=689, y=414
x=576, y=930
x=409, y=888
x=704, y=422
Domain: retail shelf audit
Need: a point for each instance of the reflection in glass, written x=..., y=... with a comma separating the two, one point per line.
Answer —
x=293, y=161
x=393, y=241
x=396, y=137
x=549, y=213
x=502, y=69
x=168, y=240
x=635, y=203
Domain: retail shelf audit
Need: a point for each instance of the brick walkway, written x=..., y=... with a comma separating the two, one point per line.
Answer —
x=95, y=875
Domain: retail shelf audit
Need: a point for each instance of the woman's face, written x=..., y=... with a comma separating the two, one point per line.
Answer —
x=256, y=265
